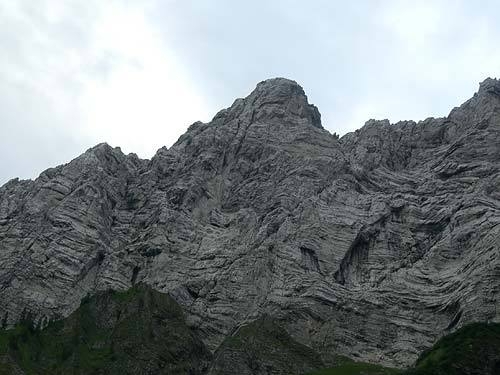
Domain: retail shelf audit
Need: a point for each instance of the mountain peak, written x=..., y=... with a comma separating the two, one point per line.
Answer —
x=491, y=86
x=279, y=99
x=489, y=83
x=279, y=87
x=371, y=247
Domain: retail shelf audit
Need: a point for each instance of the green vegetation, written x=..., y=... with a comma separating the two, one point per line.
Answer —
x=141, y=331
x=346, y=366
x=473, y=349
x=263, y=346
x=136, y=332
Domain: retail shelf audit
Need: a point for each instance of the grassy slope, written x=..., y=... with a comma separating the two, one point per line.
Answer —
x=263, y=347
x=142, y=331
x=136, y=332
x=473, y=349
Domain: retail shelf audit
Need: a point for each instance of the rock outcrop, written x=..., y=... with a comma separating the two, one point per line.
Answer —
x=371, y=246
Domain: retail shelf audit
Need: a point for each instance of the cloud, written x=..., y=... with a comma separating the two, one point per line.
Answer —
x=136, y=74
x=77, y=73
x=414, y=24
x=145, y=99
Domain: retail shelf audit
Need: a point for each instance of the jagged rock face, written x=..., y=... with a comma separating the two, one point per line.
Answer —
x=371, y=246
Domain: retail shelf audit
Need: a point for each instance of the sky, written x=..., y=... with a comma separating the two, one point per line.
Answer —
x=136, y=74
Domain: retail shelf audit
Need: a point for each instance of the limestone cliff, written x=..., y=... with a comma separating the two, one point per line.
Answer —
x=372, y=245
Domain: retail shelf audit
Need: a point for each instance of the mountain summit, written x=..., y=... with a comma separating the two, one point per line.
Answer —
x=371, y=246
x=278, y=101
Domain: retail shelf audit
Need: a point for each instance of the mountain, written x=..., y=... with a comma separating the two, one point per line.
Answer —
x=141, y=331
x=370, y=246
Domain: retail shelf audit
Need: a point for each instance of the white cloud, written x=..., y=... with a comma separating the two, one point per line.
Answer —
x=82, y=72
x=414, y=23
x=429, y=56
x=146, y=99
x=135, y=74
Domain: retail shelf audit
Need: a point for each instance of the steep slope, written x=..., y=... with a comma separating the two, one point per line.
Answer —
x=472, y=350
x=263, y=347
x=346, y=366
x=371, y=246
x=141, y=331
x=136, y=332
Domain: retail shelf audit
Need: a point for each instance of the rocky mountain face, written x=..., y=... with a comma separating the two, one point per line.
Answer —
x=371, y=246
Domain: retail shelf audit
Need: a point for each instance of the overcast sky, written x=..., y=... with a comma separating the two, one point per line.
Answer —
x=136, y=74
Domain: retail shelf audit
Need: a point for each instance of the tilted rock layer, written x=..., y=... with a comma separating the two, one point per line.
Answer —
x=372, y=245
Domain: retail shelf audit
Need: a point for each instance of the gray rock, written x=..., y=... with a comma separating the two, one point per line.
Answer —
x=371, y=246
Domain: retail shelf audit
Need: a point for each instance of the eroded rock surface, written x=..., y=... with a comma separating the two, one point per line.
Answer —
x=371, y=246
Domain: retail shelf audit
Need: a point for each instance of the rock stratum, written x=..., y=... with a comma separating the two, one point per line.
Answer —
x=372, y=246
